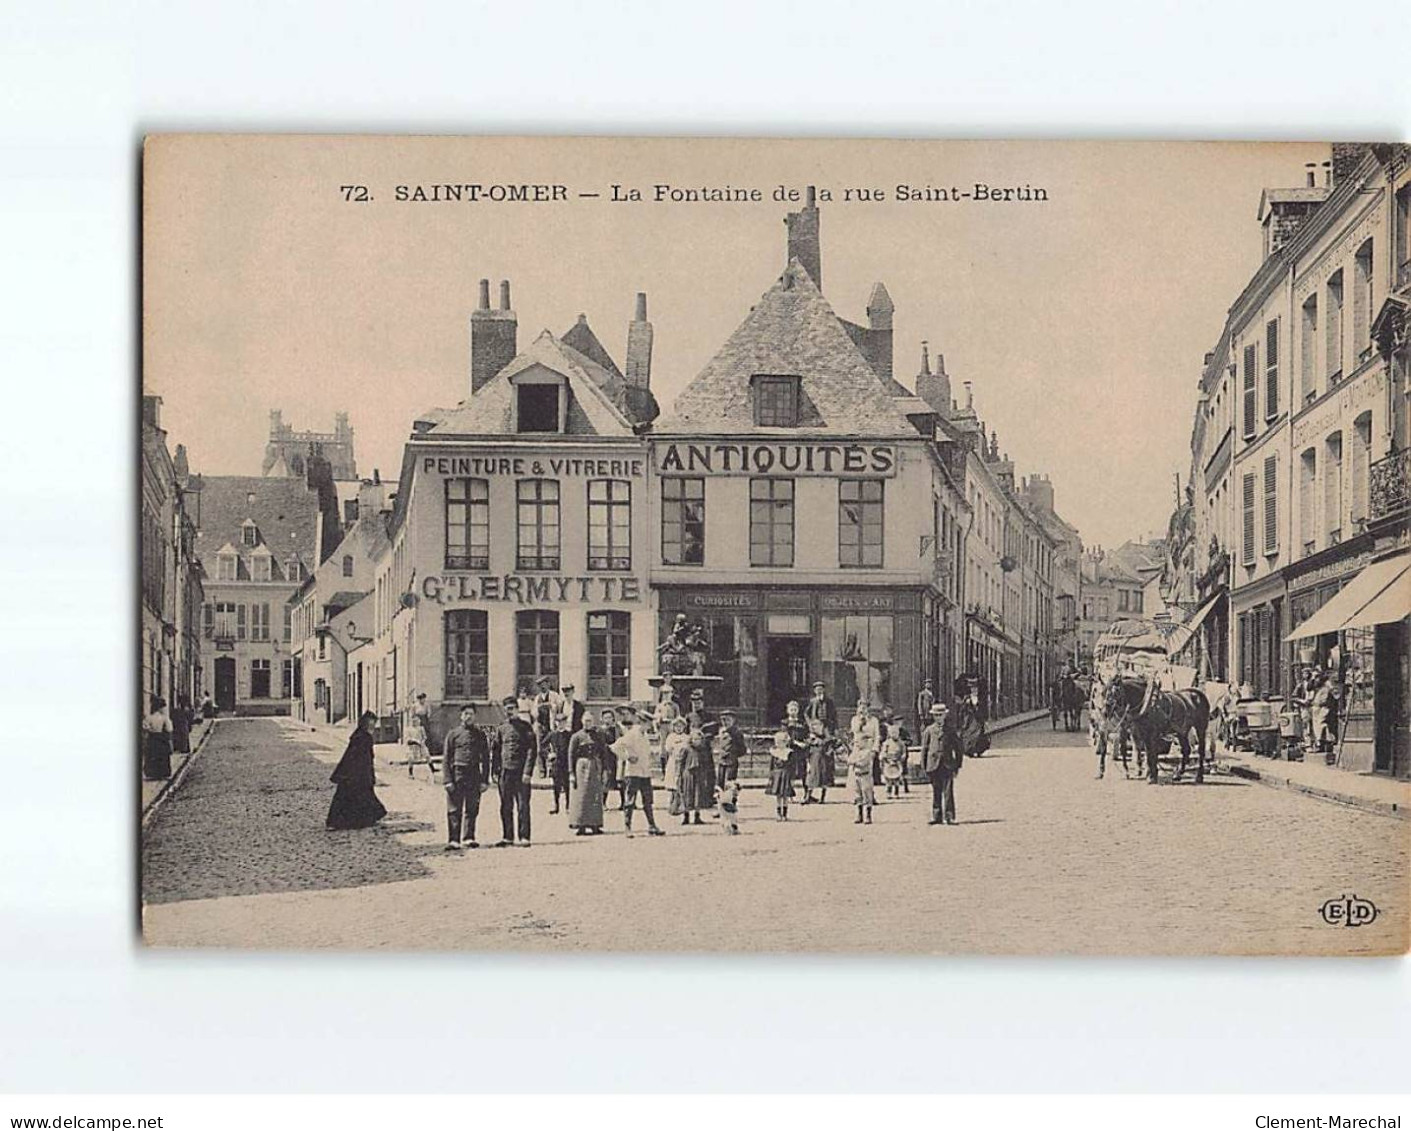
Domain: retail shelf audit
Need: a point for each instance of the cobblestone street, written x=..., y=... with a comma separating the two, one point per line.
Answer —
x=1045, y=859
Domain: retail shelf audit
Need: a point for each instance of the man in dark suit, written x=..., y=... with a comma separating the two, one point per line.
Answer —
x=512, y=751
x=941, y=757
x=465, y=768
x=571, y=706
x=822, y=708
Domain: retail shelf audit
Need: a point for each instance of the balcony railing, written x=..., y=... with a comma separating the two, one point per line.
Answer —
x=1389, y=487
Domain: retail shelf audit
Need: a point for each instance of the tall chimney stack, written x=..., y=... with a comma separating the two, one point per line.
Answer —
x=880, y=310
x=803, y=243
x=638, y=363
x=493, y=336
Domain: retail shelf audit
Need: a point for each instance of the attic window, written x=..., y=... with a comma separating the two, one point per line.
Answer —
x=538, y=406
x=776, y=402
x=249, y=533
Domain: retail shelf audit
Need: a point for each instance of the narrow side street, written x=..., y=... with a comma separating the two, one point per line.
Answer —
x=1045, y=858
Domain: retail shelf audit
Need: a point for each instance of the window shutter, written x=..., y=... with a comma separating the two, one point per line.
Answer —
x=1271, y=505
x=1251, y=394
x=1248, y=545
x=1271, y=369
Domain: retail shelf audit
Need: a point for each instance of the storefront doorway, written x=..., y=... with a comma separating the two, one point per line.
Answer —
x=225, y=683
x=786, y=673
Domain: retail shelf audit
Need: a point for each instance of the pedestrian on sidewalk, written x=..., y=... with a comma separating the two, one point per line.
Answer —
x=697, y=774
x=861, y=756
x=634, y=760
x=941, y=757
x=156, y=742
x=465, y=769
x=512, y=753
x=182, y=719
x=585, y=758
x=781, y=773
x=674, y=747
x=355, y=805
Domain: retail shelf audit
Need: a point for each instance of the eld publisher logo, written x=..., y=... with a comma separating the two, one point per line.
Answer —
x=1348, y=911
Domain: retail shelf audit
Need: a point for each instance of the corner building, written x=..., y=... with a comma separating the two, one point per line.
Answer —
x=518, y=545
x=800, y=509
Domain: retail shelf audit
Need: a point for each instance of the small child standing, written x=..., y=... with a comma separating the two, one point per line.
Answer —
x=893, y=763
x=781, y=777
x=730, y=807
x=860, y=771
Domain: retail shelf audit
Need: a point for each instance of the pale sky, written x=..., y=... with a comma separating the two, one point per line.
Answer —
x=1082, y=322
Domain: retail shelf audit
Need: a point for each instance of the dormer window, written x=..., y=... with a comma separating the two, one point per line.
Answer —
x=249, y=533
x=261, y=567
x=538, y=407
x=776, y=401
x=225, y=567
x=293, y=571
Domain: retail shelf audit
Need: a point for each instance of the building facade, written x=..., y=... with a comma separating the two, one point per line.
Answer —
x=257, y=538
x=1302, y=410
x=287, y=451
x=171, y=575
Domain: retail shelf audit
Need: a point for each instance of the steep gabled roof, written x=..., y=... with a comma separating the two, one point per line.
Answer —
x=284, y=511
x=581, y=338
x=593, y=393
x=791, y=331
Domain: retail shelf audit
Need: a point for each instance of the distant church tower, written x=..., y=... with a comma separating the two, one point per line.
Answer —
x=287, y=452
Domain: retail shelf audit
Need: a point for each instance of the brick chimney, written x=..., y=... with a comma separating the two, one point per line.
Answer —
x=637, y=367
x=1040, y=491
x=934, y=388
x=493, y=336
x=803, y=239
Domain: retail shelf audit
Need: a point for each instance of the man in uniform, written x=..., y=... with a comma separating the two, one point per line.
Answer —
x=941, y=756
x=465, y=768
x=512, y=751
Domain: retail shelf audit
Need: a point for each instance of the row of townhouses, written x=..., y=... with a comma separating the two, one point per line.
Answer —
x=1291, y=548
x=815, y=517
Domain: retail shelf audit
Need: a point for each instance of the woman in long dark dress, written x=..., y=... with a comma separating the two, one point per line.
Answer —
x=355, y=805
x=586, y=751
x=181, y=720
x=156, y=739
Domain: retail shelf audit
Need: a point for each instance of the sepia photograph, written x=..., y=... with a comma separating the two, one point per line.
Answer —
x=774, y=546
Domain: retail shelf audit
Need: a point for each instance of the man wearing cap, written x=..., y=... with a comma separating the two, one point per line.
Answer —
x=572, y=706
x=546, y=705
x=941, y=758
x=822, y=708
x=465, y=769
x=512, y=751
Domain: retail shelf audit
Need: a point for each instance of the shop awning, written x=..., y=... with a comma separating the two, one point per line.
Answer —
x=1182, y=636
x=1391, y=604
x=1347, y=605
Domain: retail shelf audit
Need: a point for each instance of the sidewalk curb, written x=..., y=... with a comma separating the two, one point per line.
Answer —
x=1351, y=801
x=150, y=809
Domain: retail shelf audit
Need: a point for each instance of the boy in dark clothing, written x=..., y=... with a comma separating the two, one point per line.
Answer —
x=465, y=768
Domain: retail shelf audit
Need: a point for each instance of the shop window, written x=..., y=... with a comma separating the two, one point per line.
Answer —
x=771, y=522
x=682, y=521
x=537, y=646
x=776, y=402
x=609, y=660
x=537, y=504
x=467, y=654
x=858, y=654
x=860, y=522
x=467, y=524
x=259, y=679
x=538, y=406
x=609, y=524
x=734, y=654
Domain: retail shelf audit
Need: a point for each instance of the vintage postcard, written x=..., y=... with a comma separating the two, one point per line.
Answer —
x=565, y=544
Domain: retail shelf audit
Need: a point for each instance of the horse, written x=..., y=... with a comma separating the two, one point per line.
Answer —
x=1108, y=726
x=1155, y=717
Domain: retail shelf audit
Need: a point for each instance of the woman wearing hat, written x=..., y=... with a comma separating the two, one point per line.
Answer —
x=697, y=782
